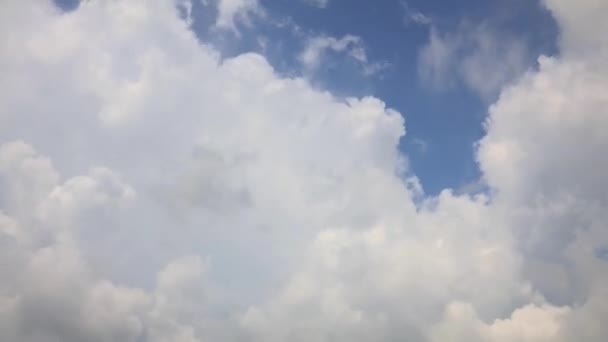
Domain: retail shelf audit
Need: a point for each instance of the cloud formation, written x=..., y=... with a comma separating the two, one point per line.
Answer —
x=477, y=56
x=230, y=12
x=163, y=194
x=414, y=17
x=317, y=48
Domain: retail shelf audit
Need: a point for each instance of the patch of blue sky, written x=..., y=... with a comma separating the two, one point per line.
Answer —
x=443, y=123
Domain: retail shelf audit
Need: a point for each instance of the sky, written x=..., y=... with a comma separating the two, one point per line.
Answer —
x=303, y=170
x=393, y=35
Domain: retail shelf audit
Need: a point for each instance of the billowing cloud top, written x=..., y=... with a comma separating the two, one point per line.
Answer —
x=150, y=191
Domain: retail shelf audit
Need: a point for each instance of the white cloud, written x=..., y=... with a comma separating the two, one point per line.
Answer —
x=529, y=323
x=549, y=126
x=419, y=18
x=316, y=49
x=580, y=23
x=421, y=145
x=479, y=57
x=415, y=17
x=312, y=55
x=394, y=278
x=231, y=12
x=286, y=201
x=318, y=3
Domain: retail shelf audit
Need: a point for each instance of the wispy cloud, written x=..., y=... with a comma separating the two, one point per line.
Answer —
x=317, y=3
x=414, y=17
x=233, y=12
x=316, y=48
x=478, y=56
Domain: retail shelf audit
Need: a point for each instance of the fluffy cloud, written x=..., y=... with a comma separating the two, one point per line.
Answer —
x=394, y=278
x=49, y=293
x=580, y=23
x=529, y=323
x=153, y=192
x=542, y=156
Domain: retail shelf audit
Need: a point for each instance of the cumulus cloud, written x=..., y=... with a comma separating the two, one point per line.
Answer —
x=529, y=323
x=49, y=292
x=580, y=23
x=163, y=194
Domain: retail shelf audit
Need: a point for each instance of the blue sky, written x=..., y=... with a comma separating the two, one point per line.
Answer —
x=442, y=124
